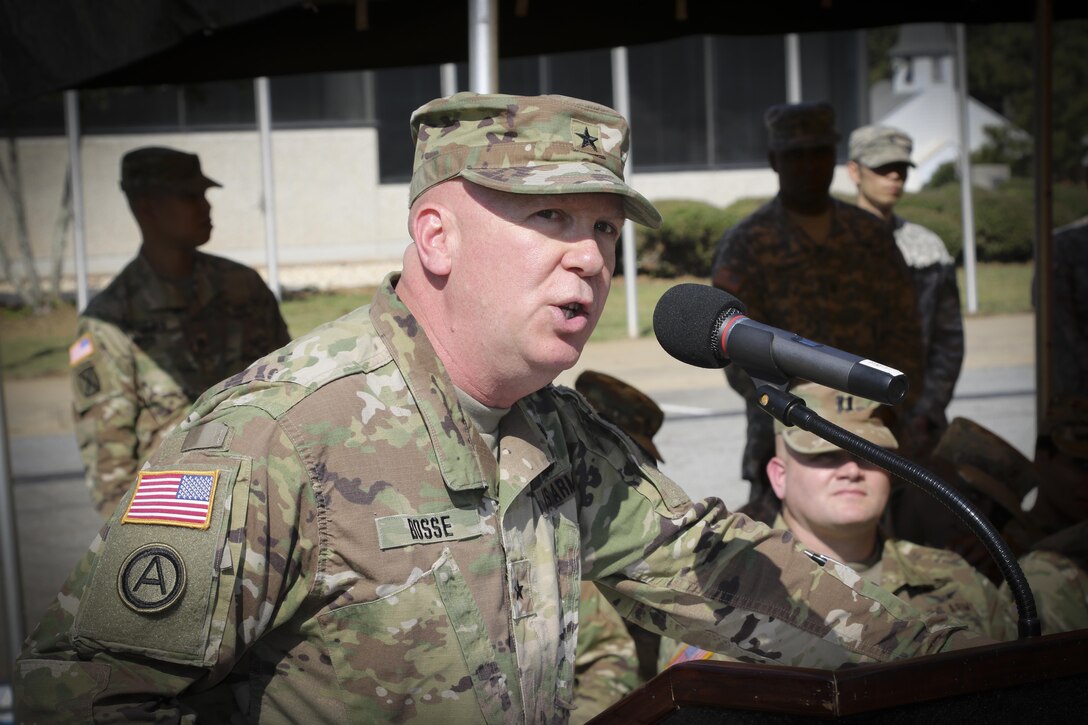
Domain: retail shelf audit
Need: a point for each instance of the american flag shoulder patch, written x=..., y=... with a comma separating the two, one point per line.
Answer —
x=80, y=350
x=173, y=498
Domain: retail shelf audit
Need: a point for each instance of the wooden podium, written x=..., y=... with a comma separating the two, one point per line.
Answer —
x=1030, y=681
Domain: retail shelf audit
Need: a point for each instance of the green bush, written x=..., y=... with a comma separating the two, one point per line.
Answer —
x=1004, y=225
x=1004, y=217
x=684, y=245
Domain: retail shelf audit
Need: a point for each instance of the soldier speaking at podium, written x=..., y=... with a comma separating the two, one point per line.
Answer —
x=296, y=592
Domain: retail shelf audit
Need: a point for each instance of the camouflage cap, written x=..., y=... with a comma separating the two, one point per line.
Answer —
x=875, y=146
x=623, y=405
x=800, y=126
x=1067, y=423
x=157, y=168
x=966, y=443
x=860, y=416
x=525, y=145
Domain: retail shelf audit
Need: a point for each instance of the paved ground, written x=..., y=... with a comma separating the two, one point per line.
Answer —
x=701, y=439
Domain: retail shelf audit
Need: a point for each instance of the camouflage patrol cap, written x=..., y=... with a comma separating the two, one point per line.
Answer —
x=525, y=145
x=157, y=168
x=860, y=416
x=800, y=126
x=875, y=146
x=966, y=443
x=623, y=405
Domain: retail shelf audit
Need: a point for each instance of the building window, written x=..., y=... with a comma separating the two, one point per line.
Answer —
x=323, y=99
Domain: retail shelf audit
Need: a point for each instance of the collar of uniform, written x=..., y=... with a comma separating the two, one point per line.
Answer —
x=462, y=455
x=159, y=293
x=524, y=454
x=901, y=568
x=779, y=212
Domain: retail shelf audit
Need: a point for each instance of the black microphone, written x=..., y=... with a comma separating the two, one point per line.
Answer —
x=704, y=326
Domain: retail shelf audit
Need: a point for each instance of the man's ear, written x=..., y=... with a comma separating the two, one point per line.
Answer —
x=854, y=170
x=776, y=474
x=434, y=229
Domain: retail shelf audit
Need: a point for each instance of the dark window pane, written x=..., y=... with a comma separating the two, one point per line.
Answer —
x=667, y=110
x=225, y=104
x=133, y=108
x=39, y=116
x=322, y=99
x=197, y=106
x=749, y=74
x=401, y=91
x=830, y=65
x=520, y=76
x=586, y=75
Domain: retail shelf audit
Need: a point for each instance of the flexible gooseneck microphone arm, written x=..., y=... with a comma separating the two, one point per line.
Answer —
x=792, y=411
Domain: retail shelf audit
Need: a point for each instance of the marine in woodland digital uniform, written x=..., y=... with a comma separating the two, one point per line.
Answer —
x=816, y=266
x=833, y=502
x=879, y=165
x=350, y=548
x=172, y=324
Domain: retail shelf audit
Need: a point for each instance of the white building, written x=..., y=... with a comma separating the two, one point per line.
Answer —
x=921, y=99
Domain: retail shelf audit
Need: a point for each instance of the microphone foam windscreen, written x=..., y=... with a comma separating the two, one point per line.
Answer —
x=687, y=319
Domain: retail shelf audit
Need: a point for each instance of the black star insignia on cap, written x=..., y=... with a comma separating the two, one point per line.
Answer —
x=588, y=139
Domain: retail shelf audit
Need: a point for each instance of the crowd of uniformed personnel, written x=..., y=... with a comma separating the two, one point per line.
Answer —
x=327, y=528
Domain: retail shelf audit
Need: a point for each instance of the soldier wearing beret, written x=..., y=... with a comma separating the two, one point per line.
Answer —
x=833, y=501
x=389, y=519
x=814, y=265
x=172, y=324
x=879, y=165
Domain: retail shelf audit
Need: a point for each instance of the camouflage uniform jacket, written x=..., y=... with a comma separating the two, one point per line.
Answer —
x=368, y=559
x=1069, y=352
x=148, y=347
x=938, y=293
x=1057, y=571
x=853, y=292
x=930, y=580
x=606, y=663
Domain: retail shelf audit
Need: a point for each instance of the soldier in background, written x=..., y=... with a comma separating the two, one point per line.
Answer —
x=833, y=501
x=811, y=264
x=637, y=415
x=879, y=165
x=172, y=324
x=390, y=518
x=605, y=663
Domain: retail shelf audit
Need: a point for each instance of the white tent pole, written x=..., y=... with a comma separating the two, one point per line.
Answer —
x=793, y=68
x=967, y=202
x=621, y=94
x=483, y=46
x=264, y=125
x=448, y=79
x=1044, y=220
x=75, y=168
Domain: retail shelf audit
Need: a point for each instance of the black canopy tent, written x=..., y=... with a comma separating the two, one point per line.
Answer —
x=59, y=44
x=71, y=44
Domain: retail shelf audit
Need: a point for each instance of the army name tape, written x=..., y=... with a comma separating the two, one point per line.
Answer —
x=406, y=530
